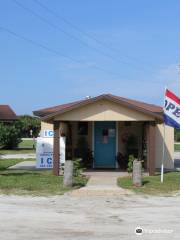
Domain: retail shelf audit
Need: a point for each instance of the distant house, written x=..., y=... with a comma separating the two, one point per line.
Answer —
x=114, y=128
x=7, y=114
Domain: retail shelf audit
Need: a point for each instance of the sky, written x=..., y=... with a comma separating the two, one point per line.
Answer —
x=57, y=51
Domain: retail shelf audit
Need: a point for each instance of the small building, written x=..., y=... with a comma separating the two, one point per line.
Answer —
x=7, y=114
x=107, y=129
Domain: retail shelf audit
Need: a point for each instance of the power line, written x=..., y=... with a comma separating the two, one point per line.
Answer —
x=58, y=53
x=58, y=16
x=40, y=45
x=61, y=29
x=67, y=33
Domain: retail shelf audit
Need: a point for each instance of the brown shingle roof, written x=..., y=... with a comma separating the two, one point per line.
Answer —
x=6, y=113
x=46, y=111
x=151, y=109
x=147, y=106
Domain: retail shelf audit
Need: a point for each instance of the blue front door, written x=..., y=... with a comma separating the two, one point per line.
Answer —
x=105, y=144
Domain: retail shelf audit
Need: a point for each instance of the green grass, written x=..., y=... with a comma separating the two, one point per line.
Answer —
x=152, y=184
x=41, y=183
x=16, y=151
x=4, y=164
x=176, y=147
x=26, y=146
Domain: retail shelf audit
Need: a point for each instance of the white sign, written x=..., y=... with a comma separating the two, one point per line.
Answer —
x=47, y=133
x=44, y=152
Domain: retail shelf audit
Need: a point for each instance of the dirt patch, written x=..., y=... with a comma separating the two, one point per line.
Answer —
x=67, y=217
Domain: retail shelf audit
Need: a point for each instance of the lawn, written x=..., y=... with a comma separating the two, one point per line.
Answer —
x=26, y=143
x=26, y=146
x=41, y=183
x=16, y=151
x=176, y=147
x=4, y=164
x=152, y=184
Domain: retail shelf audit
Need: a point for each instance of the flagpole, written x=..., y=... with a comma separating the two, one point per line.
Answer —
x=163, y=152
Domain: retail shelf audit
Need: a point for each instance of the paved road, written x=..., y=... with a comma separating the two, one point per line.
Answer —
x=67, y=217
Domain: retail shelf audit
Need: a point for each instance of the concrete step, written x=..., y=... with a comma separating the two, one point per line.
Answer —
x=101, y=184
x=93, y=191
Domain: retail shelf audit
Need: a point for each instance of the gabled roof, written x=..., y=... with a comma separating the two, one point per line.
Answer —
x=6, y=113
x=149, y=109
x=46, y=111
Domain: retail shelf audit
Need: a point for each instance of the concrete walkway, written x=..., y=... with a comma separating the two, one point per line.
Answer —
x=102, y=184
x=18, y=155
x=26, y=165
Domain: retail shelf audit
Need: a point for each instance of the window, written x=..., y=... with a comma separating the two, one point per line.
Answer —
x=105, y=136
x=83, y=128
x=105, y=132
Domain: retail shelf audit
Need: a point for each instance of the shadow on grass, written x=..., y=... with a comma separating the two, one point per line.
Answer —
x=4, y=151
x=144, y=182
x=24, y=148
x=8, y=174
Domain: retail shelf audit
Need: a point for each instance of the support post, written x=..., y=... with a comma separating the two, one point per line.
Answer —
x=56, y=148
x=137, y=173
x=68, y=173
x=70, y=156
x=151, y=148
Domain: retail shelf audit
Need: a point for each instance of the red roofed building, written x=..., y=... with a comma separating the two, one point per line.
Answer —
x=114, y=128
x=7, y=114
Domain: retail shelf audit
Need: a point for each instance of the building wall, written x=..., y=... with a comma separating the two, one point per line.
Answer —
x=103, y=110
x=169, y=146
x=136, y=129
x=74, y=128
x=46, y=126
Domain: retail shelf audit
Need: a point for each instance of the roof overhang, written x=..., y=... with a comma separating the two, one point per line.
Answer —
x=50, y=117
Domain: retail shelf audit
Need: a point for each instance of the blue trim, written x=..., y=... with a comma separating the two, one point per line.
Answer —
x=170, y=122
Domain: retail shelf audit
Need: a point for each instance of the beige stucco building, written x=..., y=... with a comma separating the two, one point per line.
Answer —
x=105, y=130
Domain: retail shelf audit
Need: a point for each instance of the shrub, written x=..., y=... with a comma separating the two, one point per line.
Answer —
x=177, y=135
x=130, y=163
x=9, y=135
x=82, y=151
x=77, y=167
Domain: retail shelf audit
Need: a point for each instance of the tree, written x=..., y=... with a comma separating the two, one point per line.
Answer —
x=28, y=123
x=177, y=135
x=10, y=135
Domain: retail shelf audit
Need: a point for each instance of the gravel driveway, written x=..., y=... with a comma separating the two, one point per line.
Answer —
x=67, y=217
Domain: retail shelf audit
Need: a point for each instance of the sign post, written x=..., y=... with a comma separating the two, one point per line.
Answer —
x=163, y=154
